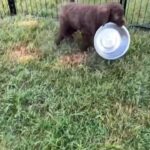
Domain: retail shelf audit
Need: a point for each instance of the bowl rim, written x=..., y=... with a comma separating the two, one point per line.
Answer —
x=127, y=46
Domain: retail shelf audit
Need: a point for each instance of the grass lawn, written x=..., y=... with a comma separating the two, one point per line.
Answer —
x=59, y=98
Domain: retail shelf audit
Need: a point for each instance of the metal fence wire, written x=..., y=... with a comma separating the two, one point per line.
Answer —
x=137, y=12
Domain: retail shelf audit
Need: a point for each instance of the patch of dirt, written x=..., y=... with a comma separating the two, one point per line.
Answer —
x=22, y=54
x=28, y=23
x=73, y=59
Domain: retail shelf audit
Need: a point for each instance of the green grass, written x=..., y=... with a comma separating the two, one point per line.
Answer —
x=38, y=7
x=94, y=105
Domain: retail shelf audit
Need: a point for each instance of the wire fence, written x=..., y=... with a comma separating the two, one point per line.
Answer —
x=137, y=11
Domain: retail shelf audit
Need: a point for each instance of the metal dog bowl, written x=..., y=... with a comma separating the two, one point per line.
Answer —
x=111, y=42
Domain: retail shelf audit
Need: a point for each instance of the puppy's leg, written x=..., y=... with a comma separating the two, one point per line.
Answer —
x=65, y=32
x=88, y=36
x=60, y=35
x=70, y=32
x=62, y=31
x=86, y=41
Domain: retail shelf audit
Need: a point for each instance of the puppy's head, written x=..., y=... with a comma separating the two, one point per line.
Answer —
x=117, y=14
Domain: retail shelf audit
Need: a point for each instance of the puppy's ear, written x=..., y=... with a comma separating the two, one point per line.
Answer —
x=116, y=12
x=111, y=13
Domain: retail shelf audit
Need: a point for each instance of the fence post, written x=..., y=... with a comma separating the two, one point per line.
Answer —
x=124, y=3
x=12, y=7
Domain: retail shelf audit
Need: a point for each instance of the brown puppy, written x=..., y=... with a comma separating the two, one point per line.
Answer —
x=87, y=19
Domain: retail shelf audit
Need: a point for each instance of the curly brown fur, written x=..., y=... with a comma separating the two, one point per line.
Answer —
x=87, y=19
